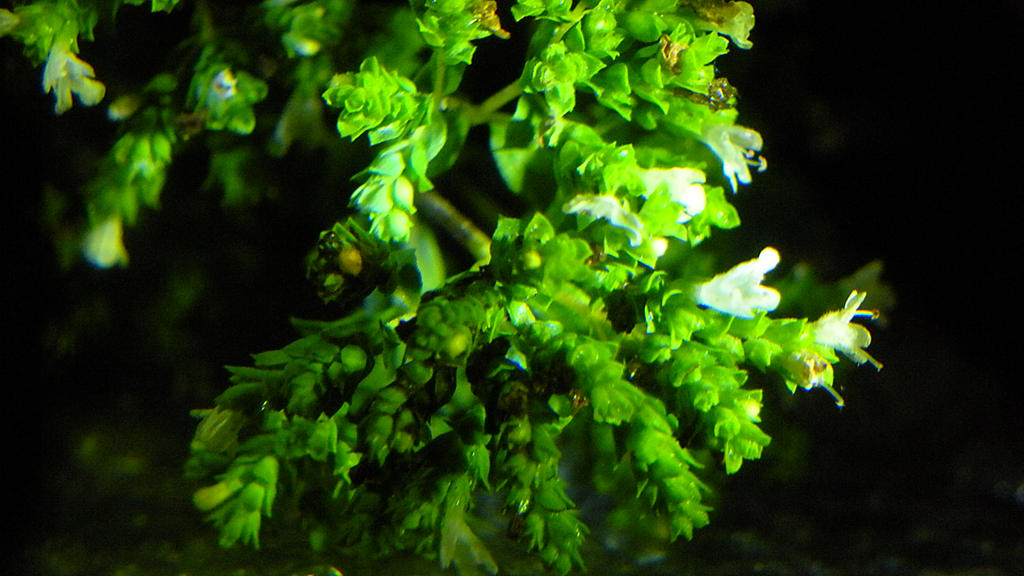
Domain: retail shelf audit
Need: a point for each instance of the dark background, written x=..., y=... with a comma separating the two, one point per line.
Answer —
x=891, y=131
x=888, y=127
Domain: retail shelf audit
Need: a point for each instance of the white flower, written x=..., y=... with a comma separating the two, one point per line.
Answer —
x=103, y=246
x=809, y=370
x=737, y=148
x=611, y=209
x=685, y=185
x=834, y=330
x=65, y=73
x=738, y=291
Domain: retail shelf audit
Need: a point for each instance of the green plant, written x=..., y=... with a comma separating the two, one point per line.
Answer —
x=592, y=330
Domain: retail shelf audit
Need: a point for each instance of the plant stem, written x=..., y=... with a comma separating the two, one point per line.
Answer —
x=482, y=113
x=207, y=33
x=496, y=101
x=577, y=14
x=440, y=211
x=440, y=69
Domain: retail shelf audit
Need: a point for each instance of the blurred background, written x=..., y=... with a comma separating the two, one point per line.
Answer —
x=892, y=133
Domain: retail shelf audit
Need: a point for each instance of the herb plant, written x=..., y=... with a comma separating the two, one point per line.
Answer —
x=591, y=340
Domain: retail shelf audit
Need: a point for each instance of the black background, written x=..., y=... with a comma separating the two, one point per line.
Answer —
x=891, y=133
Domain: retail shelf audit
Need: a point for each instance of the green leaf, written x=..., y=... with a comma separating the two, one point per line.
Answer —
x=524, y=164
x=223, y=96
x=451, y=26
x=599, y=30
x=555, y=73
x=375, y=100
x=611, y=86
x=306, y=28
x=760, y=352
x=545, y=9
x=644, y=26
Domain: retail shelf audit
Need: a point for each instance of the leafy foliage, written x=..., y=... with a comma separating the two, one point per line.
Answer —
x=593, y=313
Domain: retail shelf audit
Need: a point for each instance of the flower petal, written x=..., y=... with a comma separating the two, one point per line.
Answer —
x=609, y=208
x=738, y=292
x=734, y=146
x=834, y=330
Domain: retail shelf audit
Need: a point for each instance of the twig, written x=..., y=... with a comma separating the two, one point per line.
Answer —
x=440, y=211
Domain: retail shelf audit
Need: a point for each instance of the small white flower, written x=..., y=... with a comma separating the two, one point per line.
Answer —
x=738, y=291
x=609, y=208
x=66, y=73
x=834, y=330
x=104, y=246
x=736, y=147
x=809, y=370
x=685, y=186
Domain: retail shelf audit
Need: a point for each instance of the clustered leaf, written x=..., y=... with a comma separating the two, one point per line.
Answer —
x=592, y=342
x=131, y=176
x=451, y=26
x=308, y=27
x=50, y=31
x=375, y=100
x=225, y=97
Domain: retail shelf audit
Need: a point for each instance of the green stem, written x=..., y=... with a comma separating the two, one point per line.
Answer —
x=577, y=14
x=440, y=211
x=207, y=31
x=439, y=72
x=482, y=113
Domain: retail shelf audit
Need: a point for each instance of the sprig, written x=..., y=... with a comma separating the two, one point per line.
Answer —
x=591, y=321
x=50, y=32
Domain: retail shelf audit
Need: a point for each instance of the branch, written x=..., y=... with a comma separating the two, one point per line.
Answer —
x=440, y=211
